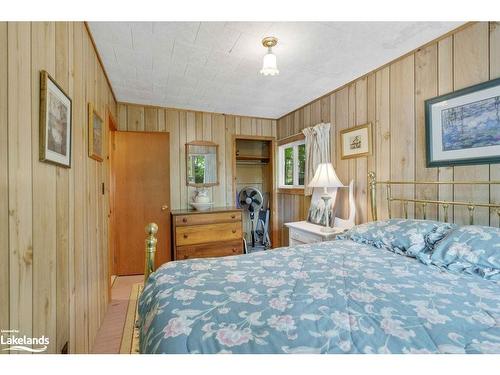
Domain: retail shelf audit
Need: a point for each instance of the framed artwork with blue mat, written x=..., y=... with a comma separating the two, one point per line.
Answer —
x=463, y=127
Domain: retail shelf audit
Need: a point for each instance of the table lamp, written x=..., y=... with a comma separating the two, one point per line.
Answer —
x=325, y=177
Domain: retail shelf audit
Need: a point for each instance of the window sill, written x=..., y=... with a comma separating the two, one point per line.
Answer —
x=291, y=191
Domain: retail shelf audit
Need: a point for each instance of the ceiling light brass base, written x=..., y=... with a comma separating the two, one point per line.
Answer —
x=269, y=41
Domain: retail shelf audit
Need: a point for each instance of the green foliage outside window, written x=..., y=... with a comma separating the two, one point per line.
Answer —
x=197, y=164
x=294, y=165
x=302, y=163
x=289, y=166
x=199, y=169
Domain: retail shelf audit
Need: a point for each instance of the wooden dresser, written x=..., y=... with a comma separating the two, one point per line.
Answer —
x=202, y=234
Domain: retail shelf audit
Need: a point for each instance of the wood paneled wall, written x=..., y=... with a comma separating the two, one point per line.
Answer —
x=186, y=126
x=392, y=98
x=53, y=220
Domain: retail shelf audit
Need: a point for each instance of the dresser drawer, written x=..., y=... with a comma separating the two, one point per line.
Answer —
x=198, y=234
x=200, y=219
x=214, y=249
x=303, y=237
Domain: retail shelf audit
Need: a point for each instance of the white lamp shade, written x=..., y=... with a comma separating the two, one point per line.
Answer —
x=269, y=65
x=325, y=176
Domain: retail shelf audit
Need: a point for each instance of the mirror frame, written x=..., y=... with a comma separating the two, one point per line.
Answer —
x=203, y=143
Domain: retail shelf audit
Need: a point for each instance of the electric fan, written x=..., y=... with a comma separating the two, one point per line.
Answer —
x=251, y=200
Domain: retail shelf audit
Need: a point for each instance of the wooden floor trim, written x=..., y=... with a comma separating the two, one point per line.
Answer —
x=130, y=338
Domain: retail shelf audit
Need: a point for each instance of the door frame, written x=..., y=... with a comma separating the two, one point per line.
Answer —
x=112, y=125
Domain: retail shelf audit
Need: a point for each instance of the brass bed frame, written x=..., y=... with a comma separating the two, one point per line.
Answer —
x=471, y=206
x=151, y=241
x=152, y=228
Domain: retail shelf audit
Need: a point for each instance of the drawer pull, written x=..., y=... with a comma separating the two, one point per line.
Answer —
x=185, y=220
x=234, y=230
x=233, y=216
x=185, y=235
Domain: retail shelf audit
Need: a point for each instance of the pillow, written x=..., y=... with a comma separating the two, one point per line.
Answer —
x=411, y=237
x=471, y=249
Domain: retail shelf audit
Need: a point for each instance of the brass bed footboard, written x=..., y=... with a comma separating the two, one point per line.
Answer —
x=151, y=241
x=445, y=204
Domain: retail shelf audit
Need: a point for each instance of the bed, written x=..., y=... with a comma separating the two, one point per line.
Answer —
x=413, y=289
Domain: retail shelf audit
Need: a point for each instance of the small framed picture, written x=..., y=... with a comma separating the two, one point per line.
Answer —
x=463, y=127
x=356, y=142
x=55, y=123
x=95, y=134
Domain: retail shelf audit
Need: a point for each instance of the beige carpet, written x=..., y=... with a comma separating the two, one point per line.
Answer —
x=109, y=336
x=130, y=338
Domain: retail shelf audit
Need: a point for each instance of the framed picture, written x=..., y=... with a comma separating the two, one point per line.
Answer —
x=356, y=142
x=55, y=123
x=95, y=134
x=463, y=127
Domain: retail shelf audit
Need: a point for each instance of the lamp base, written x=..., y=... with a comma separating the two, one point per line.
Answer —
x=326, y=198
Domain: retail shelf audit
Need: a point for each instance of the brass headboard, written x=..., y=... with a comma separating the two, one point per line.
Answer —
x=445, y=204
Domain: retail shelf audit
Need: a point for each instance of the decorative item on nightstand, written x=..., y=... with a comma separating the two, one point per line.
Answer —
x=322, y=210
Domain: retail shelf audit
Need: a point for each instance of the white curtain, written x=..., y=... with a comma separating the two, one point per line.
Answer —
x=210, y=169
x=317, y=140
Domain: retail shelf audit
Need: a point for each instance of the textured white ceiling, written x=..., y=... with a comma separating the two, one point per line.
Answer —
x=214, y=66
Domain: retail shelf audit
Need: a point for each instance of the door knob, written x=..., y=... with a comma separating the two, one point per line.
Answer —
x=164, y=207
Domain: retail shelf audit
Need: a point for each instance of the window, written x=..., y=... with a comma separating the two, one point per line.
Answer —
x=292, y=164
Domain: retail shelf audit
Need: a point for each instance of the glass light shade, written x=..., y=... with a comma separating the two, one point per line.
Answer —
x=269, y=66
x=325, y=176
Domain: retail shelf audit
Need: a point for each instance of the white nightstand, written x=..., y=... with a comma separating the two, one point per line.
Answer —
x=301, y=232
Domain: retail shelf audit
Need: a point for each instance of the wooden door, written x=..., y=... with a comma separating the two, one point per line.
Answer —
x=142, y=195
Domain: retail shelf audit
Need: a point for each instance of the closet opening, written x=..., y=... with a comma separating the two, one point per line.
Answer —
x=253, y=175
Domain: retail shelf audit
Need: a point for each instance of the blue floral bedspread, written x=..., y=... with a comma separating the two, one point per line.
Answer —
x=331, y=297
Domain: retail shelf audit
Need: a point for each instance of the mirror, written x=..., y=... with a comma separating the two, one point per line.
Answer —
x=201, y=163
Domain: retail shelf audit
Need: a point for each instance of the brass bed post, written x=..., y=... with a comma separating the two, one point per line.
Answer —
x=149, y=265
x=445, y=208
x=373, y=194
x=471, y=208
x=389, y=200
x=405, y=209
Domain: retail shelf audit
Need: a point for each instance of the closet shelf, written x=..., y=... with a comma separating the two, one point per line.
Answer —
x=252, y=158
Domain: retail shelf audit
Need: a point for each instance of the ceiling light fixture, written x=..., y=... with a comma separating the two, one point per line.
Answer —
x=269, y=66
